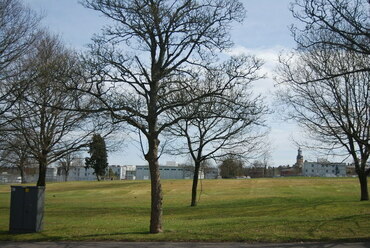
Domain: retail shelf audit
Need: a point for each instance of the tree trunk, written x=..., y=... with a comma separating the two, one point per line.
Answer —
x=362, y=176
x=42, y=172
x=195, y=185
x=156, y=208
x=22, y=175
x=156, y=187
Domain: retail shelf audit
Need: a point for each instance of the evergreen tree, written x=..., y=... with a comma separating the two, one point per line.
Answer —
x=98, y=156
x=231, y=167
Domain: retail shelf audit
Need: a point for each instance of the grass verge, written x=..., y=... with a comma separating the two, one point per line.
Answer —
x=255, y=210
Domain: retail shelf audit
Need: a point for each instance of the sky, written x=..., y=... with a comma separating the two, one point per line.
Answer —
x=264, y=33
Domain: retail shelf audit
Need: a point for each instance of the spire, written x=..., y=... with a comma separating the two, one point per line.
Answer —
x=299, y=163
x=299, y=156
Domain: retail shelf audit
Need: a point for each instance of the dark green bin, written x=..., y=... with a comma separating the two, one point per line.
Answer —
x=26, y=209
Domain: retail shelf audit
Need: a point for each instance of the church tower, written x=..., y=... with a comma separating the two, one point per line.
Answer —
x=299, y=162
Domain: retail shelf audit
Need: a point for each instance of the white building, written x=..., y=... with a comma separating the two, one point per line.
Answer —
x=167, y=172
x=130, y=173
x=81, y=173
x=323, y=169
x=51, y=171
x=174, y=171
x=211, y=173
x=122, y=172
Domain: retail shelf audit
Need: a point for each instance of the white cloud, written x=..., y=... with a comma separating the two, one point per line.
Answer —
x=269, y=55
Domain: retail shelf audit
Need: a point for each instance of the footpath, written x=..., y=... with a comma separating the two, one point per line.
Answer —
x=175, y=245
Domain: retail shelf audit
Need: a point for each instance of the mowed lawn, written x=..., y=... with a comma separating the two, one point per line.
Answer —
x=254, y=210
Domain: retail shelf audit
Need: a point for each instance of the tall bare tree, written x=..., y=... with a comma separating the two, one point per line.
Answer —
x=18, y=32
x=40, y=116
x=333, y=43
x=334, y=111
x=222, y=125
x=141, y=64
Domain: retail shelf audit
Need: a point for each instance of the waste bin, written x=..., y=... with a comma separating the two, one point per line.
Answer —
x=26, y=209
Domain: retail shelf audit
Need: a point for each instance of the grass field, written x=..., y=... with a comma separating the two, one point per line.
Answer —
x=255, y=210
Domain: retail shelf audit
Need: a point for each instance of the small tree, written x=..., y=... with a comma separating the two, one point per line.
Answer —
x=206, y=168
x=231, y=167
x=15, y=152
x=110, y=174
x=221, y=125
x=69, y=161
x=98, y=159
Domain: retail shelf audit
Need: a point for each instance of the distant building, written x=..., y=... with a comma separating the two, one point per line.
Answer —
x=167, y=172
x=174, y=171
x=81, y=173
x=351, y=169
x=324, y=169
x=296, y=169
x=121, y=172
x=287, y=171
x=10, y=174
x=51, y=174
x=130, y=172
x=211, y=173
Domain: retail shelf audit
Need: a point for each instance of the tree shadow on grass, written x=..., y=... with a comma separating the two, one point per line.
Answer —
x=43, y=237
x=96, y=236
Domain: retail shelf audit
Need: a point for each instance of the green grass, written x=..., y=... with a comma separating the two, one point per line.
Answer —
x=256, y=210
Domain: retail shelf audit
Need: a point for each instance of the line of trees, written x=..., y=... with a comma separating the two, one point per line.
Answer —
x=157, y=69
x=154, y=68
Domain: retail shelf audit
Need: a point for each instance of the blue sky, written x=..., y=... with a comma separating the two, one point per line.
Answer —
x=265, y=33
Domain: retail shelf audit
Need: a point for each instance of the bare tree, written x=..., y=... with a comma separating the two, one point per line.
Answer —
x=14, y=151
x=68, y=162
x=18, y=29
x=333, y=43
x=222, y=125
x=265, y=159
x=334, y=111
x=40, y=116
x=342, y=24
x=162, y=40
x=207, y=169
x=259, y=167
